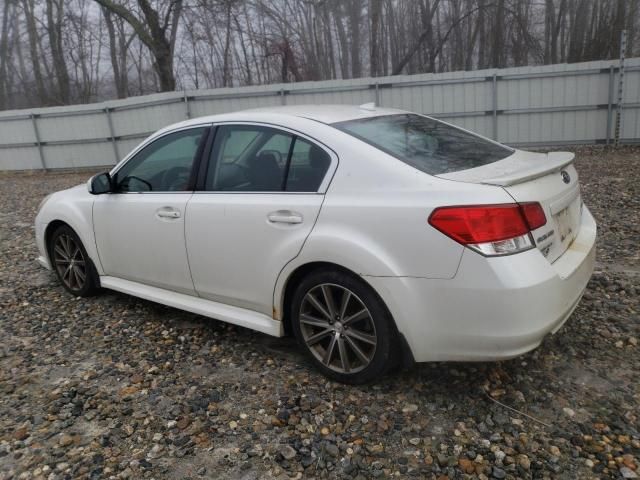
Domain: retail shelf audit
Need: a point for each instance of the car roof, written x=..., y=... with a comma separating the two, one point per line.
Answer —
x=328, y=113
x=321, y=113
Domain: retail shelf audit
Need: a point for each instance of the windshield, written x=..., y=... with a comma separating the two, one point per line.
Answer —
x=424, y=143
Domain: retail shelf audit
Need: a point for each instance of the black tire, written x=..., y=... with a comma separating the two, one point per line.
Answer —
x=378, y=323
x=65, y=244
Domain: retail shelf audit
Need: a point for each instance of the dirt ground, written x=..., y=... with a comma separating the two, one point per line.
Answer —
x=117, y=387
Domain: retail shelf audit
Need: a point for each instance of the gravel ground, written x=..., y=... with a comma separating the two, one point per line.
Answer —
x=116, y=387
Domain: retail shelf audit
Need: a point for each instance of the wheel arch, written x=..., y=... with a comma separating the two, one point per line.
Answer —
x=292, y=281
x=355, y=254
x=301, y=271
x=73, y=208
x=53, y=225
x=48, y=232
x=92, y=279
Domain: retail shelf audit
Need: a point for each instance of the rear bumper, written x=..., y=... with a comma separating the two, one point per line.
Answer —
x=494, y=308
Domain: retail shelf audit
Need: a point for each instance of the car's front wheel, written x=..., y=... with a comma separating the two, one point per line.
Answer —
x=343, y=326
x=71, y=263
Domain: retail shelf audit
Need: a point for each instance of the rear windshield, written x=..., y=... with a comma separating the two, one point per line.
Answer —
x=424, y=143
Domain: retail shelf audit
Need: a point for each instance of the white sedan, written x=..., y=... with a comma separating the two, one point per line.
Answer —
x=375, y=236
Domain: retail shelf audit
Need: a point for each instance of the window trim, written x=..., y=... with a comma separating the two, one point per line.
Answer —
x=287, y=166
x=206, y=159
x=195, y=168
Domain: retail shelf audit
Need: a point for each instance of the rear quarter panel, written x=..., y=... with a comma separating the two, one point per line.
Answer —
x=374, y=218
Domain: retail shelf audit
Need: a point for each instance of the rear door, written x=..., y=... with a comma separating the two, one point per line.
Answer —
x=258, y=201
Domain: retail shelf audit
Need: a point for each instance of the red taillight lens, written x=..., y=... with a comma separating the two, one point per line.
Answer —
x=534, y=214
x=491, y=229
x=480, y=223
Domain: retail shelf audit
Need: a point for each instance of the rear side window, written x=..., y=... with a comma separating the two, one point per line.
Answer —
x=424, y=143
x=253, y=158
x=248, y=158
x=307, y=167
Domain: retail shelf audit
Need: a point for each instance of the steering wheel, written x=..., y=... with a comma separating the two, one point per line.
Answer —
x=176, y=178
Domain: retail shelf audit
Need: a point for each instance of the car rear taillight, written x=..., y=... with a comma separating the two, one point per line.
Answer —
x=490, y=229
x=533, y=214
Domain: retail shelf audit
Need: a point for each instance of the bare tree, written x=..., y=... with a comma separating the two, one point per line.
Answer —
x=64, y=51
x=82, y=43
x=226, y=59
x=553, y=21
x=55, y=14
x=119, y=43
x=354, y=8
x=37, y=61
x=4, y=53
x=158, y=34
x=375, y=13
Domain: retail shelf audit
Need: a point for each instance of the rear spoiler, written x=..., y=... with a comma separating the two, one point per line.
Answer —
x=517, y=168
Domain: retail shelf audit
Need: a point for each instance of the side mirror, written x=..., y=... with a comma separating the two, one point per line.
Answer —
x=100, y=183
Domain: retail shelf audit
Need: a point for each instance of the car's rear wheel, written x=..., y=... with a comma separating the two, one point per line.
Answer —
x=71, y=263
x=343, y=326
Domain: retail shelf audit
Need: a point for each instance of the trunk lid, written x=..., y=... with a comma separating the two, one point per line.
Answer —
x=548, y=178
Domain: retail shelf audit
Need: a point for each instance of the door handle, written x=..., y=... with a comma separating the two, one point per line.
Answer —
x=285, y=216
x=168, y=213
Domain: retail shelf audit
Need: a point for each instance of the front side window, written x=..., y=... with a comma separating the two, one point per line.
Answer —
x=424, y=143
x=251, y=158
x=164, y=165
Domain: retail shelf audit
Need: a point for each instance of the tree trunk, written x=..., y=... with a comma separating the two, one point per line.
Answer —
x=22, y=75
x=579, y=18
x=375, y=7
x=113, y=54
x=159, y=37
x=164, y=68
x=54, y=30
x=32, y=34
x=245, y=53
x=482, y=33
x=471, y=43
x=343, y=42
x=4, y=49
x=634, y=11
x=226, y=60
x=617, y=28
x=497, y=47
x=330, y=47
x=355, y=15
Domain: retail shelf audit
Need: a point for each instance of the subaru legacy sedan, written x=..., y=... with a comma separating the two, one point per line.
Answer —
x=374, y=236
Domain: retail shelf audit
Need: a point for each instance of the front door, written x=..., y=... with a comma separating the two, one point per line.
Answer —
x=262, y=194
x=139, y=228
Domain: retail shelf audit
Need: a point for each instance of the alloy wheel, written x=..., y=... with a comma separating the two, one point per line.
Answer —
x=338, y=328
x=70, y=262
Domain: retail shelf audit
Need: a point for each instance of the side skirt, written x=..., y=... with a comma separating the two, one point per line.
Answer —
x=226, y=313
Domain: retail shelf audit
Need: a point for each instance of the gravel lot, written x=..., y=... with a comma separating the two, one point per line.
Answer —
x=116, y=387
